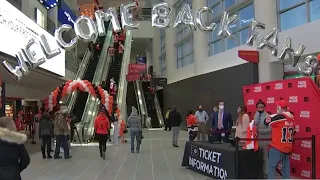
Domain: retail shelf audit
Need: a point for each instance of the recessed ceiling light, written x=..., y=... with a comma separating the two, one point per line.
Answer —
x=55, y=4
x=48, y=8
x=51, y=5
x=41, y=1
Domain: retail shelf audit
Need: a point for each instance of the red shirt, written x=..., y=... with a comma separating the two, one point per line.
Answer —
x=122, y=37
x=97, y=46
x=282, y=131
x=101, y=124
x=191, y=120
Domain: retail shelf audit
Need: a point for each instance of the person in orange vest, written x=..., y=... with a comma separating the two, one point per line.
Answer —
x=120, y=51
x=251, y=134
x=192, y=125
x=101, y=126
x=123, y=130
x=122, y=37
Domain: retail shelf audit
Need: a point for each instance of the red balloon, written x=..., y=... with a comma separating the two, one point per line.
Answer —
x=318, y=56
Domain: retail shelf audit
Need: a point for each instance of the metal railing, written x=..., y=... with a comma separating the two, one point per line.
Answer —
x=122, y=89
x=91, y=108
x=141, y=99
x=82, y=68
x=158, y=110
x=72, y=62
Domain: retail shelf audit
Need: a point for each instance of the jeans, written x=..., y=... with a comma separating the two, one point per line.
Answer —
x=274, y=157
x=61, y=140
x=175, y=134
x=135, y=135
x=46, y=144
x=102, y=142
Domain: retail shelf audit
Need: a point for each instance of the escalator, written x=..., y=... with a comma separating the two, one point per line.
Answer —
x=114, y=70
x=152, y=113
x=131, y=99
x=82, y=97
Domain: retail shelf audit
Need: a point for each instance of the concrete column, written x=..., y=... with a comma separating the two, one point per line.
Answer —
x=149, y=56
x=53, y=15
x=200, y=39
x=267, y=71
x=156, y=51
x=171, y=58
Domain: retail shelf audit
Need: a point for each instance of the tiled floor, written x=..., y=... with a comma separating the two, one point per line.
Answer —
x=157, y=160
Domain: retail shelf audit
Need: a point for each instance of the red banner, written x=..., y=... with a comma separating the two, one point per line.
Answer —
x=136, y=68
x=132, y=77
x=251, y=56
x=303, y=96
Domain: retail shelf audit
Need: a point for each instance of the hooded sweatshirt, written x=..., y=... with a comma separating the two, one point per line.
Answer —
x=134, y=120
x=101, y=124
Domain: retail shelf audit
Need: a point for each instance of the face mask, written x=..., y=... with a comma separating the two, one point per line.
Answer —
x=238, y=110
x=262, y=111
x=221, y=107
x=200, y=110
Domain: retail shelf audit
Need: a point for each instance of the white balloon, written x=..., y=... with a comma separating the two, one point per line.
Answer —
x=61, y=41
x=109, y=15
x=93, y=31
x=185, y=17
x=160, y=15
x=126, y=16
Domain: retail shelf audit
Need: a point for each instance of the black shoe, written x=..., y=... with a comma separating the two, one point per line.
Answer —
x=49, y=157
x=57, y=157
x=175, y=146
x=104, y=156
x=132, y=151
x=44, y=156
x=68, y=157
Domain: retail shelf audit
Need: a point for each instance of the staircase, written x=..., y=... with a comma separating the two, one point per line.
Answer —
x=152, y=113
x=131, y=98
x=83, y=96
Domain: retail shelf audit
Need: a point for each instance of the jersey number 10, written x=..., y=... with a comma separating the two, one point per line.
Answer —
x=285, y=131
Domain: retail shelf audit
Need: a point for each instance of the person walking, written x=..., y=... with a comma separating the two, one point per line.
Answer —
x=134, y=123
x=192, y=125
x=175, y=118
x=61, y=131
x=203, y=118
x=14, y=157
x=45, y=134
x=101, y=125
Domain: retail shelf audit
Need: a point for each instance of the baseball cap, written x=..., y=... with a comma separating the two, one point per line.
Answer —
x=282, y=103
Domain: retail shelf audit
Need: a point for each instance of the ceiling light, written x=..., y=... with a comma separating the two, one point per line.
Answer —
x=51, y=5
x=57, y=0
x=41, y=1
x=48, y=8
x=55, y=4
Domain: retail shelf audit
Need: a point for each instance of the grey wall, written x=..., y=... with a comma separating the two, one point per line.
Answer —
x=208, y=89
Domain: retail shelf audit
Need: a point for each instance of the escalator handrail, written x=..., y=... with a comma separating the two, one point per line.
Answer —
x=143, y=99
x=158, y=110
x=122, y=84
x=137, y=98
x=81, y=71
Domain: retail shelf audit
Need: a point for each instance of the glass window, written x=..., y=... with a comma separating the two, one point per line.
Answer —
x=293, y=18
x=231, y=43
x=228, y=3
x=314, y=10
x=246, y=15
x=39, y=16
x=244, y=36
x=218, y=47
x=284, y=4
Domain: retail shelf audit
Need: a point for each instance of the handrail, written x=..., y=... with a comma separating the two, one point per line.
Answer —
x=158, y=110
x=91, y=108
x=137, y=98
x=122, y=84
x=142, y=100
x=71, y=99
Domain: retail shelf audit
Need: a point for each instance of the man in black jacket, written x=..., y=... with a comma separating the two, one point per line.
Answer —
x=175, y=119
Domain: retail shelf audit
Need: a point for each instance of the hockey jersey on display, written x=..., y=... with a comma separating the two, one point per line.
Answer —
x=251, y=134
x=282, y=131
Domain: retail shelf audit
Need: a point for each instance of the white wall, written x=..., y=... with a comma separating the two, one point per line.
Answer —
x=156, y=51
x=145, y=30
x=28, y=8
x=23, y=92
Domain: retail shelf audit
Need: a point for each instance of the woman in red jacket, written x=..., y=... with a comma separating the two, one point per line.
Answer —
x=192, y=125
x=101, y=126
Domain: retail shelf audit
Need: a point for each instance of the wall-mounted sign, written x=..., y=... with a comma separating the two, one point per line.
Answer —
x=136, y=68
x=65, y=14
x=251, y=56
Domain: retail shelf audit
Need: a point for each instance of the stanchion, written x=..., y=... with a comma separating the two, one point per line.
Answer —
x=237, y=157
x=313, y=146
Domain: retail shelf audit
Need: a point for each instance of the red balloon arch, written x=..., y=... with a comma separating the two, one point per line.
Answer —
x=81, y=85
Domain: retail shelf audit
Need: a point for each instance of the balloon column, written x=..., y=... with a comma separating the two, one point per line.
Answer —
x=81, y=85
x=0, y=93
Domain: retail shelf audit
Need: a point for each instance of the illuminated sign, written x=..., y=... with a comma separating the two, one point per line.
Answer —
x=65, y=15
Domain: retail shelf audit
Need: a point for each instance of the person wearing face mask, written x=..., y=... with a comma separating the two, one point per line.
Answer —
x=221, y=124
x=203, y=118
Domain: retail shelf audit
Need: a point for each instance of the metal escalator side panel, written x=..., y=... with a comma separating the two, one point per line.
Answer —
x=122, y=84
x=141, y=97
x=137, y=98
x=158, y=110
x=81, y=71
x=91, y=108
